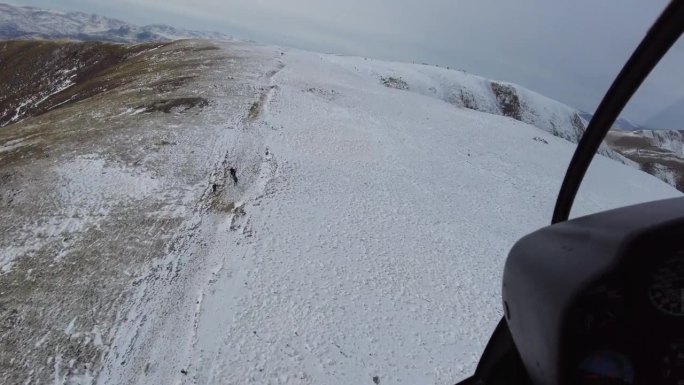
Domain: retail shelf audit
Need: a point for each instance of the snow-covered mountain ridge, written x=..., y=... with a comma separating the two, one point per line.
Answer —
x=362, y=240
x=38, y=23
x=474, y=92
x=454, y=87
x=664, y=148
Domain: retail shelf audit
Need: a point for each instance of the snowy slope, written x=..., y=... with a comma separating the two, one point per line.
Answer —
x=454, y=87
x=365, y=237
x=32, y=22
x=369, y=241
x=471, y=91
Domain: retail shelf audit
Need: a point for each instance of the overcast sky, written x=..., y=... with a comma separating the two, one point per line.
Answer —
x=567, y=50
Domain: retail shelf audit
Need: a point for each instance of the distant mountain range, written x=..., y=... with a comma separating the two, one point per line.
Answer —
x=37, y=23
x=620, y=124
x=670, y=117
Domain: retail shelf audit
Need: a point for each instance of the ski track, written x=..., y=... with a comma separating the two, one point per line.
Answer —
x=368, y=238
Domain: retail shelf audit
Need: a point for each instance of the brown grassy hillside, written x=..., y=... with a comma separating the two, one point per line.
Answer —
x=39, y=76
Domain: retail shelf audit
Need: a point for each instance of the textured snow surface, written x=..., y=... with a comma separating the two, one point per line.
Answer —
x=370, y=241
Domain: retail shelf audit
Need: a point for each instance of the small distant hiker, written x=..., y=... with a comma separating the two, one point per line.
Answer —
x=214, y=187
x=233, y=175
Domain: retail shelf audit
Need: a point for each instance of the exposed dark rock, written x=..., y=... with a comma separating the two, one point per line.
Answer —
x=507, y=99
x=174, y=105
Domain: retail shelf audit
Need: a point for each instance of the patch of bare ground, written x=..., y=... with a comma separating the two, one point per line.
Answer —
x=507, y=99
x=651, y=158
x=39, y=76
x=171, y=105
x=257, y=107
